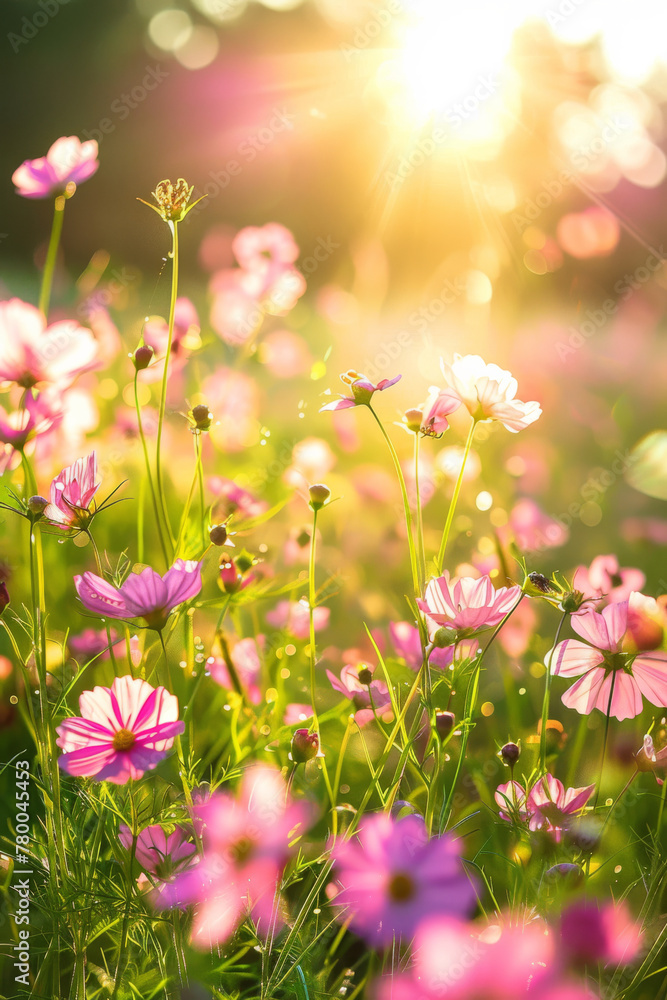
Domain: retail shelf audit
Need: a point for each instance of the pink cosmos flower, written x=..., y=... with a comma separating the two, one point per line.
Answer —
x=488, y=392
x=41, y=413
x=362, y=391
x=406, y=642
x=356, y=683
x=439, y=405
x=254, y=247
x=163, y=857
x=93, y=643
x=233, y=397
x=612, y=678
x=466, y=606
x=156, y=335
x=534, y=530
x=297, y=712
x=144, y=595
x=458, y=961
x=513, y=801
x=285, y=354
x=72, y=492
x=648, y=758
x=235, y=498
x=293, y=616
x=123, y=731
x=604, y=578
x=68, y=161
x=247, y=843
x=392, y=877
x=550, y=805
x=592, y=933
x=33, y=354
x=246, y=661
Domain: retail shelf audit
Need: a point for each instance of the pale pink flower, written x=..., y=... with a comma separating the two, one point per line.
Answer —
x=612, y=678
x=246, y=844
x=297, y=712
x=534, y=530
x=518, y=631
x=439, y=405
x=550, y=805
x=41, y=414
x=94, y=643
x=246, y=661
x=68, y=161
x=356, y=682
x=293, y=616
x=407, y=643
x=361, y=388
x=123, y=731
x=144, y=595
x=235, y=498
x=466, y=606
x=390, y=877
x=233, y=398
x=33, y=354
x=488, y=392
x=285, y=354
x=312, y=458
x=591, y=932
x=254, y=247
x=156, y=335
x=72, y=492
x=512, y=799
x=162, y=855
x=605, y=578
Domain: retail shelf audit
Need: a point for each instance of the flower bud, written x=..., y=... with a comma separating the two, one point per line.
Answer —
x=218, y=534
x=572, y=601
x=230, y=578
x=413, y=419
x=443, y=637
x=305, y=746
x=365, y=675
x=645, y=758
x=244, y=561
x=201, y=416
x=4, y=597
x=37, y=505
x=444, y=723
x=510, y=753
x=142, y=357
x=319, y=494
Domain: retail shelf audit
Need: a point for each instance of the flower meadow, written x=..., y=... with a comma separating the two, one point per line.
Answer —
x=307, y=688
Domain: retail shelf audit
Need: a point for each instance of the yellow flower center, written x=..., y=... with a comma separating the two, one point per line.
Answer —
x=123, y=740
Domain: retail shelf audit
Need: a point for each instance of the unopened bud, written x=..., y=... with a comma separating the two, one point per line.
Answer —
x=4, y=597
x=510, y=753
x=365, y=675
x=319, y=494
x=218, y=534
x=230, y=578
x=244, y=561
x=444, y=723
x=305, y=746
x=202, y=417
x=572, y=601
x=142, y=357
x=413, y=419
x=645, y=757
x=443, y=637
x=37, y=505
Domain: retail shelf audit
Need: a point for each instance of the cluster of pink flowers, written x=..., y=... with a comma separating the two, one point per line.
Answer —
x=548, y=806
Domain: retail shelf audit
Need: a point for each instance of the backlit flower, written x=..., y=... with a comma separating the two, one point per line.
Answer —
x=465, y=606
x=390, y=876
x=72, y=492
x=550, y=805
x=369, y=696
x=592, y=932
x=123, y=731
x=605, y=578
x=33, y=354
x=488, y=392
x=144, y=595
x=361, y=389
x=162, y=855
x=613, y=676
x=68, y=161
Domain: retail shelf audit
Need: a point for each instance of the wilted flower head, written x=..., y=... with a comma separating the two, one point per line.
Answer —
x=68, y=162
x=390, y=876
x=144, y=595
x=123, y=731
x=33, y=354
x=362, y=390
x=488, y=392
x=172, y=200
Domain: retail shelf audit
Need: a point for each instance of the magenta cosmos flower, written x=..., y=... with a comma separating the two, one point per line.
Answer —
x=72, y=492
x=162, y=856
x=611, y=678
x=40, y=414
x=591, y=932
x=356, y=683
x=407, y=643
x=390, y=877
x=68, y=161
x=458, y=961
x=548, y=806
x=488, y=392
x=123, y=731
x=144, y=595
x=605, y=578
x=33, y=354
x=466, y=606
x=362, y=390
x=247, y=843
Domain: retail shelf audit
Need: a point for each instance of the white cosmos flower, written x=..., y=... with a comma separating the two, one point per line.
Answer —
x=488, y=392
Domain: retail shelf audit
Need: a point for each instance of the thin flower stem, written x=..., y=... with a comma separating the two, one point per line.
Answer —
x=406, y=502
x=165, y=376
x=202, y=496
x=617, y=800
x=51, y=255
x=311, y=621
x=455, y=496
x=604, y=741
x=545, y=702
x=98, y=563
x=420, y=523
x=121, y=963
x=149, y=474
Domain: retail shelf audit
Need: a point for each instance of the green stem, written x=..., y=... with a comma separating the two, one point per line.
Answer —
x=420, y=523
x=165, y=376
x=51, y=255
x=604, y=741
x=545, y=702
x=202, y=497
x=455, y=496
x=406, y=502
x=121, y=963
x=311, y=620
x=149, y=475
